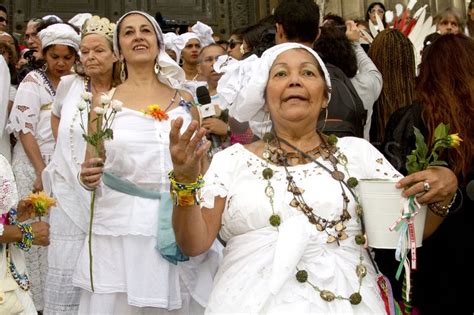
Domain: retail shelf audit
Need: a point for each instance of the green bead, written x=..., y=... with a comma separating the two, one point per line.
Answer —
x=267, y=173
x=302, y=276
x=268, y=136
x=332, y=139
x=355, y=298
x=352, y=182
x=360, y=239
x=275, y=220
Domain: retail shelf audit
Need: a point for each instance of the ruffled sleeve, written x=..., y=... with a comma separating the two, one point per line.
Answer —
x=26, y=109
x=218, y=177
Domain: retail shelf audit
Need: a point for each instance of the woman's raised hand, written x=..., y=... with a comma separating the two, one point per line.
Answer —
x=91, y=172
x=186, y=153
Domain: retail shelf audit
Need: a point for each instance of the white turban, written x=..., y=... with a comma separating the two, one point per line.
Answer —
x=52, y=17
x=172, y=42
x=242, y=87
x=204, y=32
x=79, y=19
x=170, y=73
x=59, y=34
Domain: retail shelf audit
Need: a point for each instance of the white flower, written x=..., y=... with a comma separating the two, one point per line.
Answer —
x=81, y=105
x=105, y=99
x=117, y=105
x=87, y=96
x=99, y=110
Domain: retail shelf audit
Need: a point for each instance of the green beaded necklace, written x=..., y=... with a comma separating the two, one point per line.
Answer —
x=327, y=150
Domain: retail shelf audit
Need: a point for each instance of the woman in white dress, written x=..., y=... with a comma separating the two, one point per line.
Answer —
x=13, y=271
x=30, y=121
x=132, y=214
x=284, y=204
x=69, y=220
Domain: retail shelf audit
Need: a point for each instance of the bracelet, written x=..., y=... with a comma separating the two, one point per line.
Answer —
x=440, y=210
x=185, y=195
x=27, y=239
x=82, y=184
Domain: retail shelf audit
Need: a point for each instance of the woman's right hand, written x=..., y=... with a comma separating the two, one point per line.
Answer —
x=184, y=150
x=91, y=172
x=41, y=233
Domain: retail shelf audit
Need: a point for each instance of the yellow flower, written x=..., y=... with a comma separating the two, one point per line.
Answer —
x=41, y=202
x=156, y=112
x=454, y=140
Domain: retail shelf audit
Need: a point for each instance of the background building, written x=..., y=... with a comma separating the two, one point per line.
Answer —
x=222, y=15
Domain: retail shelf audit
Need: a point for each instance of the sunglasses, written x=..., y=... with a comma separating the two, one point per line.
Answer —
x=2, y=19
x=233, y=43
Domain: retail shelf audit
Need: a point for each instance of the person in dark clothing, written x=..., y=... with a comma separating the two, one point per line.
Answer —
x=444, y=279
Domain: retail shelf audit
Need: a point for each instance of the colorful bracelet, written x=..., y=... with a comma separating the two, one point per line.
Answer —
x=440, y=210
x=184, y=194
x=28, y=236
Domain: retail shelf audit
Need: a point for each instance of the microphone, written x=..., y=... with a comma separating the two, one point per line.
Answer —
x=207, y=110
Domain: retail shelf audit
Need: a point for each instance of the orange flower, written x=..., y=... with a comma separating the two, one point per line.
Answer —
x=41, y=202
x=156, y=112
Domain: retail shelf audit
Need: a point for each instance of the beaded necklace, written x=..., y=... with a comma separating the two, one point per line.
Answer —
x=327, y=150
x=22, y=280
x=51, y=89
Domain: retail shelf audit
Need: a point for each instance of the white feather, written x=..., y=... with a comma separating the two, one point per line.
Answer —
x=399, y=9
x=418, y=27
x=419, y=11
x=411, y=4
x=380, y=25
x=373, y=29
x=389, y=16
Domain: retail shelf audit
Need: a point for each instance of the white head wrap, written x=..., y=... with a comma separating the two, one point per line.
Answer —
x=242, y=87
x=52, y=17
x=59, y=34
x=170, y=73
x=79, y=19
x=204, y=32
x=172, y=42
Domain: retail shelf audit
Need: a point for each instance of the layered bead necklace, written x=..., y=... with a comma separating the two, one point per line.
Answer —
x=334, y=228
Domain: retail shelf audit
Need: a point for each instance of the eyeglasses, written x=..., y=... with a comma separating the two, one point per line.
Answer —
x=233, y=43
x=211, y=59
x=2, y=19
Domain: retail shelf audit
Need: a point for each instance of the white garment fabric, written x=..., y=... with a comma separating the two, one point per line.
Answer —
x=125, y=227
x=8, y=200
x=368, y=84
x=70, y=218
x=31, y=113
x=257, y=274
x=5, y=148
x=192, y=85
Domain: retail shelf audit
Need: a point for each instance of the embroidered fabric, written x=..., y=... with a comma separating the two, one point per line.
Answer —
x=257, y=249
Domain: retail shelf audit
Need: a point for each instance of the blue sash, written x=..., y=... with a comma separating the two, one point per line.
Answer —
x=166, y=243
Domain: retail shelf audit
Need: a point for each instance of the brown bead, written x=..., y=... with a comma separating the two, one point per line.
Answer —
x=294, y=203
x=338, y=175
x=355, y=298
x=302, y=276
x=361, y=271
x=327, y=296
x=267, y=173
x=360, y=239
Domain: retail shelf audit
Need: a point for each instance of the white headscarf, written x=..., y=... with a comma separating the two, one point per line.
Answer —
x=59, y=34
x=242, y=87
x=79, y=19
x=172, y=42
x=201, y=32
x=170, y=73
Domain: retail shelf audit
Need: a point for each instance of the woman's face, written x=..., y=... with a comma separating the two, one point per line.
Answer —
x=296, y=91
x=190, y=52
x=233, y=49
x=376, y=10
x=60, y=59
x=137, y=39
x=97, y=56
x=207, y=60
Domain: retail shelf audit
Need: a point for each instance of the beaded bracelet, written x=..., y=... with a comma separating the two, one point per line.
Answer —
x=440, y=210
x=28, y=236
x=184, y=194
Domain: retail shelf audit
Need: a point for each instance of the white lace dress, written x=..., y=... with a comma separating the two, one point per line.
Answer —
x=257, y=274
x=130, y=275
x=69, y=219
x=31, y=113
x=8, y=200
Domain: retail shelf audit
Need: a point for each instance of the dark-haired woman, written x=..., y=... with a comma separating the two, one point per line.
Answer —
x=30, y=121
x=444, y=94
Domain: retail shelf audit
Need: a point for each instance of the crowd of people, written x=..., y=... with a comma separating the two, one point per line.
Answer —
x=226, y=178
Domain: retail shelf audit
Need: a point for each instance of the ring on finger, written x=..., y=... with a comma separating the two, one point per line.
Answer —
x=426, y=186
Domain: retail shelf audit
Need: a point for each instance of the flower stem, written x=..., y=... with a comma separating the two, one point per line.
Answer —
x=90, y=239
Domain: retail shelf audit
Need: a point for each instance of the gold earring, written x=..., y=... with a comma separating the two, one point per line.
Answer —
x=44, y=67
x=157, y=67
x=123, y=74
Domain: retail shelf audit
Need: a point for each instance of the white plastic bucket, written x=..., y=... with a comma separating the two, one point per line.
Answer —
x=382, y=204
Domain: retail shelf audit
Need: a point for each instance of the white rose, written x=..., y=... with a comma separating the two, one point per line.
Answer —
x=81, y=105
x=99, y=110
x=117, y=105
x=105, y=99
x=87, y=96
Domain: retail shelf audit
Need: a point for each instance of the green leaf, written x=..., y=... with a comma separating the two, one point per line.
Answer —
x=441, y=131
x=421, y=147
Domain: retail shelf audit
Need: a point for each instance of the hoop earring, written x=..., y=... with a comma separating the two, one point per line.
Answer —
x=123, y=71
x=157, y=67
x=44, y=67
